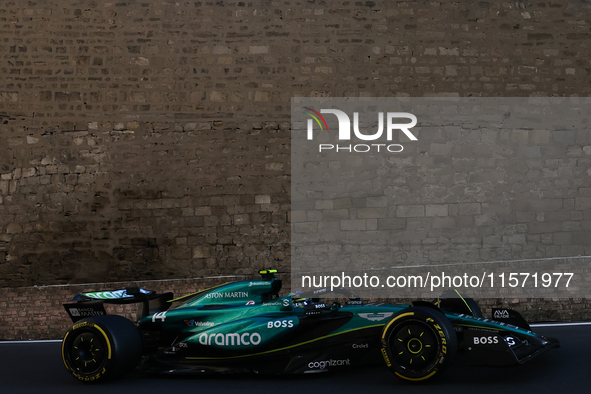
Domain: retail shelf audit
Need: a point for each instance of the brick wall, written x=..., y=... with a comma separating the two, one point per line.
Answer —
x=37, y=312
x=138, y=202
x=150, y=140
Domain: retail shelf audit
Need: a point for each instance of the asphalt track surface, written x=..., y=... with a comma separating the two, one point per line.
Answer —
x=37, y=368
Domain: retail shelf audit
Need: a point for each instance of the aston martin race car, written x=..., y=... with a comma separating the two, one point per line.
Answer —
x=247, y=326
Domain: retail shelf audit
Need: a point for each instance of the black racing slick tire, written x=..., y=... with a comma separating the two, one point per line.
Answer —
x=101, y=348
x=418, y=343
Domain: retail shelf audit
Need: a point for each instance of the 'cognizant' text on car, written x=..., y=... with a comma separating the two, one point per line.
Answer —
x=247, y=327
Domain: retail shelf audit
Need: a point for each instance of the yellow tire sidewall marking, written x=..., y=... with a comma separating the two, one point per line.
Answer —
x=63, y=351
x=107, y=340
x=388, y=361
x=109, y=349
x=415, y=379
x=393, y=320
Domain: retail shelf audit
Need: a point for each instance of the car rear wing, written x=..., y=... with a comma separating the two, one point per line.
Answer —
x=90, y=304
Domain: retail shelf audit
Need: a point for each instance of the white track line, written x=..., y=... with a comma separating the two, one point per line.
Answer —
x=560, y=324
x=37, y=341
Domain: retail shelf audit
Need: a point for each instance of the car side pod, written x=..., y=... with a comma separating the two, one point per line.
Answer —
x=101, y=348
x=418, y=343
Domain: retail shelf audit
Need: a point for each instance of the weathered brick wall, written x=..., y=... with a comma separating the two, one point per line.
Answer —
x=140, y=140
x=137, y=202
x=37, y=312
x=143, y=140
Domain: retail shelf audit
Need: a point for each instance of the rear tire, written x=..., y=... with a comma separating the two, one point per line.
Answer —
x=101, y=348
x=418, y=343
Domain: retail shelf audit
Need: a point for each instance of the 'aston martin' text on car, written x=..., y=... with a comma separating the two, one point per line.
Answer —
x=247, y=327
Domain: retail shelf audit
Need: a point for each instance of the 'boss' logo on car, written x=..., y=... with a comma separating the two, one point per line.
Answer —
x=486, y=340
x=280, y=324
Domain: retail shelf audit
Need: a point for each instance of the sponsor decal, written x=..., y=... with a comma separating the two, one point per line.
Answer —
x=360, y=345
x=354, y=302
x=172, y=351
x=258, y=283
x=486, y=330
x=510, y=341
x=375, y=316
x=386, y=358
x=441, y=334
x=83, y=324
x=276, y=303
x=85, y=312
x=280, y=324
x=111, y=295
x=230, y=339
x=196, y=323
x=251, y=302
x=501, y=314
x=489, y=340
x=328, y=363
x=230, y=294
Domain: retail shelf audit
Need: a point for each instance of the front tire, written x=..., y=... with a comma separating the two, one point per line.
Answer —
x=418, y=343
x=101, y=348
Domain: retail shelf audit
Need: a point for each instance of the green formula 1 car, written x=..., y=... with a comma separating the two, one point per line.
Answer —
x=247, y=327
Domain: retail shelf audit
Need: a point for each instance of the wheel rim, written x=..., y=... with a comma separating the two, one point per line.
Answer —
x=414, y=346
x=87, y=353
